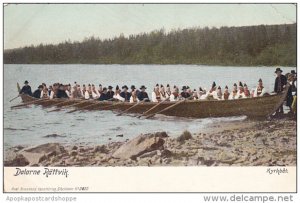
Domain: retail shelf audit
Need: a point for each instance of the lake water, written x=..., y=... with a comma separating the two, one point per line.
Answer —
x=28, y=126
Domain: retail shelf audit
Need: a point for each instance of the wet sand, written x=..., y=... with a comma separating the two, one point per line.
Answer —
x=238, y=143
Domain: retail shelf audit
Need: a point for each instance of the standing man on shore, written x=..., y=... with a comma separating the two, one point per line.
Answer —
x=280, y=83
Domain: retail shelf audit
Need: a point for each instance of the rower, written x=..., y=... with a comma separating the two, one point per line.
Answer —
x=83, y=90
x=68, y=90
x=103, y=96
x=233, y=94
x=110, y=92
x=117, y=94
x=124, y=94
x=100, y=90
x=143, y=96
x=280, y=83
x=259, y=90
x=162, y=92
x=195, y=95
x=44, y=93
x=61, y=93
x=246, y=91
x=212, y=92
x=133, y=98
x=174, y=96
x=37, y=93
x=168, y=91
x=88, y=93
x=95, y=93
x=26, y=89
x=240, y=93
x=219, y=93
x=184, y=93
x=156, y=94
x=226, y=93
x=51, y=92
x=213, y=88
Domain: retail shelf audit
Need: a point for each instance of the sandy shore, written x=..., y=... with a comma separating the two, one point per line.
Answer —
x=239, y=143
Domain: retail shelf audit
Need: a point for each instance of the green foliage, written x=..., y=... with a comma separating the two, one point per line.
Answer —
x=248, y=45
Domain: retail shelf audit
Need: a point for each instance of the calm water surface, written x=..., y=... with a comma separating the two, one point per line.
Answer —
x=28, y=126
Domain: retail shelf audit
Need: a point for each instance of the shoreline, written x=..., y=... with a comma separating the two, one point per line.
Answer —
x=236, y=143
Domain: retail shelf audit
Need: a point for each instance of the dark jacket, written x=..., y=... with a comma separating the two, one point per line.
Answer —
x=279, y=83
x=37, y=94
x=289, y=97
x=103, y=97
x=142, y=96
x=110, y=94
x=185, y=94
x=61, y=94
x=126, y=95
x=26, y=90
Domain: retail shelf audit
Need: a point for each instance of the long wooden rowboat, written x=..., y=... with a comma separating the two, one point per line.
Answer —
x=258, y=107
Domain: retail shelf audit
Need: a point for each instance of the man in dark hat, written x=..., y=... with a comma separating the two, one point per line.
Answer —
x=184, y=93
x=37, y=93
x=125, y=94
x=233, y=94
x=26, y=89
x=133, y=89
x=61, y=92
x=280, y=83
x=143, y=96
x=246, y=91
x=103, y=96
x=110, y=92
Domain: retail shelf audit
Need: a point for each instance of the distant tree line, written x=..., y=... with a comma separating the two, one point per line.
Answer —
x=248, y=45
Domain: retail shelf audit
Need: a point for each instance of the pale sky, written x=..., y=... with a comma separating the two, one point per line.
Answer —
x=27, y=24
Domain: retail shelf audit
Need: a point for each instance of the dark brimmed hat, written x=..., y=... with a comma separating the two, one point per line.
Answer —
x=245, y=85
x=125, y=87
x=40, y=86
x=110, y=87
x=278, y=69
x=143, y=87
x=104, y=88
x=157, y=85
x=235, y=84
x=168, y=85
x=117, y=87
x=260, y=80
x=26, y=82
x=184, y=88
x=240, y=84
x=132, y=87
x=100, y=85
x=200, y=88
x=226, y=87
x=219, y=88
x=161, y=85
x=293, y=72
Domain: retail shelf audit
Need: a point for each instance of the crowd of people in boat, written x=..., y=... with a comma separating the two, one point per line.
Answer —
x=160, y=92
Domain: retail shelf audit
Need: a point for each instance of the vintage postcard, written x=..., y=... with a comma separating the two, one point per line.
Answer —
x=149, y=97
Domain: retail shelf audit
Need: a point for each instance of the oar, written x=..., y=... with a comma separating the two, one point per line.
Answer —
x=85, y=107
x=14, y=98
x=31, y=102
x=152, y=108
x=71, y=105
x=119, y=114
x=59, y=108
x=165, y=109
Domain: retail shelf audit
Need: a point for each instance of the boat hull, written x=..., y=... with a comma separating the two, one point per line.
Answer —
x=259, y=107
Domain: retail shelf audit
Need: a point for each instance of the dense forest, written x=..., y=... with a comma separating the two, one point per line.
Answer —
x=248, y=45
